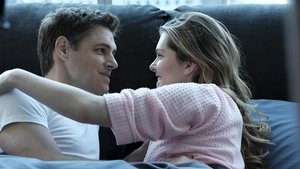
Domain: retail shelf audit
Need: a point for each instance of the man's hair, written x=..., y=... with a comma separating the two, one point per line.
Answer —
x=74, y=24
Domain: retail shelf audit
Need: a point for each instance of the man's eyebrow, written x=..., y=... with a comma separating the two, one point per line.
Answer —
x=106, y=46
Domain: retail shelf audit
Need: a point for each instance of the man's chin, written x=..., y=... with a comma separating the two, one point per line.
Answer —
x=101, y=91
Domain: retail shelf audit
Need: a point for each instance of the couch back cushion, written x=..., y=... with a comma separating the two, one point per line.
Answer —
x=283, y=119
x=136, y=42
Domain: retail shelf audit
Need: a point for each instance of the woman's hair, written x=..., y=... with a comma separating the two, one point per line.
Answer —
x=73, y=23
x=205, y=41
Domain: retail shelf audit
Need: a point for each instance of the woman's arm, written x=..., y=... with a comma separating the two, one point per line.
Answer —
x=69, y=101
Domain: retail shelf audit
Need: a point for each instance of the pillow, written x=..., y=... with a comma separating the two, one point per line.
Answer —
x=284, y=122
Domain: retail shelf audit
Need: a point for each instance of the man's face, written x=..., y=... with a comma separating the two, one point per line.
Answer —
x=89, y=67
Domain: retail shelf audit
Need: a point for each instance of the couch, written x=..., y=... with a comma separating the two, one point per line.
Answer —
x=260, y=33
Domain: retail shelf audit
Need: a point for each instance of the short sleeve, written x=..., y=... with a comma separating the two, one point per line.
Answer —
x=16, y=106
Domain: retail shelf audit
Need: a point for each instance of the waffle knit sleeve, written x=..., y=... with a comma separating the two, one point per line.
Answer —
x=164, y=112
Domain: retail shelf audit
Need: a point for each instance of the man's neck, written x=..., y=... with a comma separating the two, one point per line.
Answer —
x=55, y=76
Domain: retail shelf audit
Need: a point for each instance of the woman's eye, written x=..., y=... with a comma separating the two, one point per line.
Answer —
x=159, y=56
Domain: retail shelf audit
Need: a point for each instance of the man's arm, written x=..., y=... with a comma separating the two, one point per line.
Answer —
x=31, y=140
x=23, y=130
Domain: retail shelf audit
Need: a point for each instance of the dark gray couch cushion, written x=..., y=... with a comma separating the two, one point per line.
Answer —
x=136, y=49
x=136, y=42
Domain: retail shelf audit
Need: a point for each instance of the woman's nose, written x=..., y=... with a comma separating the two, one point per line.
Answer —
x=152, y=66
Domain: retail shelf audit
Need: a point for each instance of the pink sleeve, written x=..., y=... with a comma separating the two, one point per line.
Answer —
x=164, y=112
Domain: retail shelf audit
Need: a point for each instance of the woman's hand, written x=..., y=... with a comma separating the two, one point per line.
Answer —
x=138, y=154
x=6, y=80
x=180, y=160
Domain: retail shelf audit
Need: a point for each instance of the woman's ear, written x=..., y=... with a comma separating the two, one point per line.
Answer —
x=190, y=68
x=60, y=48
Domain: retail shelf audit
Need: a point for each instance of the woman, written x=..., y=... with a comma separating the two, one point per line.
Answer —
x=199, y=109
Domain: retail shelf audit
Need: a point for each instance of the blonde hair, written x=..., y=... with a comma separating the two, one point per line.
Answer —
x=205, y=41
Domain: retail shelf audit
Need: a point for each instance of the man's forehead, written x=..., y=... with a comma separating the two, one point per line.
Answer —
x=103, y=36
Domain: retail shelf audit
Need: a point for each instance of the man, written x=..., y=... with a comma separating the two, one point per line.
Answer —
x=75, y=46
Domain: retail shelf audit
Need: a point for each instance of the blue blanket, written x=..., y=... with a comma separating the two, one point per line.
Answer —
x=15, y=162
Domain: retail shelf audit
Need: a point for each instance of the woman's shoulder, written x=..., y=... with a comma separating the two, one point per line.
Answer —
x=196, y=90
x=190, y=86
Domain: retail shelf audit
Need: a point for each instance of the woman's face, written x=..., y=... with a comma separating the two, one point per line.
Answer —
x=167, y=67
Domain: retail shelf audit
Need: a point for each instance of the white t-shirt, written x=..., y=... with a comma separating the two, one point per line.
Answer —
x=73, y=138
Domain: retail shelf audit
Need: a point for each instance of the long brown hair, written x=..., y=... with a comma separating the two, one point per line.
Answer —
x=207, y=42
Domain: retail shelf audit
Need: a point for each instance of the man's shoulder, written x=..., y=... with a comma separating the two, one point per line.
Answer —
x=16, y=106
x=16, y=100
x=15, y=96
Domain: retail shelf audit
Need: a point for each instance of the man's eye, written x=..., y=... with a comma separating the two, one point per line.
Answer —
x=100, y=51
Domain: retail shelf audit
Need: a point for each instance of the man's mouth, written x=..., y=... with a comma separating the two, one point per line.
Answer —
x=105, y=74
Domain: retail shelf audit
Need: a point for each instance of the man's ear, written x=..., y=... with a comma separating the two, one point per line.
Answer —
x=60, y=48
x=190, y=67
